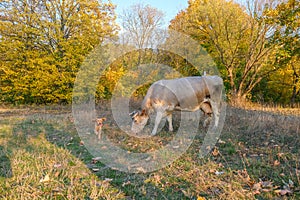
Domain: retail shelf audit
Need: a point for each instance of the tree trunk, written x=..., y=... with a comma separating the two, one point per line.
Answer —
x=239, y=99
x=294, y=96
x=295, y=92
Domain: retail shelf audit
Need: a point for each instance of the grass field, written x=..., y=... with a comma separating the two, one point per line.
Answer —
x=42, y=157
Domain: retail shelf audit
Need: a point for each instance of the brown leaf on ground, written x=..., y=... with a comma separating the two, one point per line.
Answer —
x=267, y=184
x=215, y=152
x=276, y=163
x=243, y=174
x=283, y=192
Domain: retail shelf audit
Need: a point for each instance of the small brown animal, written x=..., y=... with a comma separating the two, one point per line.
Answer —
x=98, y=126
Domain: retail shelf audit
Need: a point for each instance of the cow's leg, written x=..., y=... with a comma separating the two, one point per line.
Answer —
x=215, y=107
x=158, y=118
x=169, y=118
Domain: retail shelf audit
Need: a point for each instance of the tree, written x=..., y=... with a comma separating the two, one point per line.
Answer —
x=164, y=53
x=44, y=42
x=286, y=17
x=237, y=39
x=142, y=24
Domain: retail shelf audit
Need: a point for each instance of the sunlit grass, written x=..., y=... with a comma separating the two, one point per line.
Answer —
x=42, y=158
x=38, y=169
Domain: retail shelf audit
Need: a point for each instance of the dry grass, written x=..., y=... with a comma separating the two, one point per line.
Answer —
x=271, y=108
x=34, y=168
x=42, y=157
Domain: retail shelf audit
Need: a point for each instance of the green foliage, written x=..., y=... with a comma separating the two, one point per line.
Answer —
x=43, y=44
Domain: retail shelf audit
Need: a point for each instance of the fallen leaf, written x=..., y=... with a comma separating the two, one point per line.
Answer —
x=215, y=152
x=280, y=155
x=140, y=169
x=291, y=183
x=57, y=165
x=243, y=174
x=148, y=159
x=257, y=186
x=221, y=165
x=200, y=198
x=108, y=179
x=256, y=192
x=126, y=183
x=95, y=160
x=276, y=163
x=95, y=169
x=81, y=143
x=266, y=190
x=267, y=184
x=218, y=173
x=283, y=192
x=56, y=174
x=45, y=179
x=221, y=141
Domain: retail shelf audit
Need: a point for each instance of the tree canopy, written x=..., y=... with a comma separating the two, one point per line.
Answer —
x=44, y=42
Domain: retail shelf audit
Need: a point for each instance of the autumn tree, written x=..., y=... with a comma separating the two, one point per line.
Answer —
x=44, y=42
x=284, y=85
x=236, y=37
x=139, y=36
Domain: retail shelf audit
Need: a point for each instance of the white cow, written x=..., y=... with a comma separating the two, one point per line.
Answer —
x=183, y=94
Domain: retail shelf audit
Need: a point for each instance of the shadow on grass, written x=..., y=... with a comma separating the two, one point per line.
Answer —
x=5, y=165
x=60, y=131
x=253, y=140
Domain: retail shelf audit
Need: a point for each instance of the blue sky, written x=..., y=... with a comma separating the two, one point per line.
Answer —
x=169, y=7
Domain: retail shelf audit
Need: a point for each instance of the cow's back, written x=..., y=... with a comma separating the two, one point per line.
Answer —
x=186, y=93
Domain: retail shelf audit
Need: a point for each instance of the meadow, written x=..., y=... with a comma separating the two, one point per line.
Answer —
x=42, y=157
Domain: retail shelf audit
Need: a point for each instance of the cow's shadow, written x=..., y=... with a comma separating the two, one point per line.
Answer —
x=5, y=165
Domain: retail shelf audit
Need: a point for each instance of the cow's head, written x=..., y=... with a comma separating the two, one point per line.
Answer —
x=139, y=120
